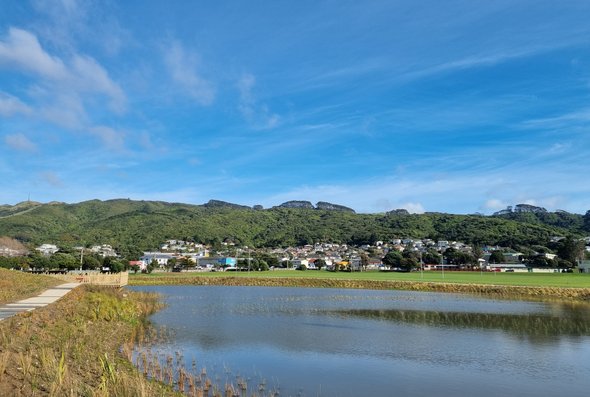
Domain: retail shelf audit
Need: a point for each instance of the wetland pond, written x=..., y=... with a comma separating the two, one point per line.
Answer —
x=342, y=342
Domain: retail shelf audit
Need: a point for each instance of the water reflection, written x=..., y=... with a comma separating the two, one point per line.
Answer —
x=329, y=342
x=565, y=320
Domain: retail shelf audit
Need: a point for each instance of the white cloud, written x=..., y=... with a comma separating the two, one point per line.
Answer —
x=20, y=142
x=111, y=138
x=60, y=89
x=259, y=115
x=494, y=205
x=51, y=178
x=183, y=67
x=22, y=50
x=414, y=208
x=65, y=109
x=82, y=74
x=245, y=85
x=10, y=105
x=90, y=76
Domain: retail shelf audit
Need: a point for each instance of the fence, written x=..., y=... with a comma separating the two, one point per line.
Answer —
x=114, y=280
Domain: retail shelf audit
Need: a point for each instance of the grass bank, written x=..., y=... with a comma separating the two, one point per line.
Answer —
x=16, y=285
x=522, y=285
x=74, y=346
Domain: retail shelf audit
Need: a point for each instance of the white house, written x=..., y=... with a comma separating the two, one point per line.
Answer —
x=300, y=262
x=103, y=250
x=47, y=249
x=161, y=258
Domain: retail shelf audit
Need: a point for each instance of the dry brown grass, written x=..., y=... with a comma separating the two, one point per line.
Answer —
x=73, y=347
x=503, y=291
x=16, y=285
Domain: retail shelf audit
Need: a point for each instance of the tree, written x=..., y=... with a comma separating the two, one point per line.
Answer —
x=408, y=263
x=151, y=266
x=587, y=221
x=90, y=263
x=319, y=263
x=184, y=263
x=364, y=261
x=61, y=260
x=116, y=266
x=431, y=257
x=171, y=263
x=497, y=257
x=262, y=266
x=570, y=250
x=392, y=259
x=38, y=261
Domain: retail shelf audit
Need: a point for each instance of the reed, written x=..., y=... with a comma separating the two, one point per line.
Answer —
x=4, y=357
x=327, y=280
x=78, y=346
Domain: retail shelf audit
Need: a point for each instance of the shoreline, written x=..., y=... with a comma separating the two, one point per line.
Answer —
x=488, y=290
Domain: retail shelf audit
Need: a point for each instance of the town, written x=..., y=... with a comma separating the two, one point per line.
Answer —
x=402, y=254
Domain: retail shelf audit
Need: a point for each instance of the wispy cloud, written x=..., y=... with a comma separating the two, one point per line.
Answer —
x=494, y=205
x=259, y=115
x=60, y=89
x=51, y=178
x=22, y=50
x=184, y=68
x=111, y=138
x=20, y=142
x=11, y=105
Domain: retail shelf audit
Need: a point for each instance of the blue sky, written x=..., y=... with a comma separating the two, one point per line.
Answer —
x=454, y=106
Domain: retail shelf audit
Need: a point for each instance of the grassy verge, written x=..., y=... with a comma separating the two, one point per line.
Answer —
x=552, y=286
x=16, y=285
x=74, y=346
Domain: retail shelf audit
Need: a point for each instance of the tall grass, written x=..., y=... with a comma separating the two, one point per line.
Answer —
x=76, y=346
x=464, y=283
x=16, y=285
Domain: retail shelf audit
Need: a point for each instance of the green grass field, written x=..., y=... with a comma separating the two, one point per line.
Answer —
x=568, y=280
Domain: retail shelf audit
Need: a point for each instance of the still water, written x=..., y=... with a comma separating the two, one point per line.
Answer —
x=333, y=342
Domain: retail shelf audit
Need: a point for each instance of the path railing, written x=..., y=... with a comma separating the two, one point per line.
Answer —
x=113, y=280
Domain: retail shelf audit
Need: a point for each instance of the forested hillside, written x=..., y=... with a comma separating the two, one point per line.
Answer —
x=131, y=226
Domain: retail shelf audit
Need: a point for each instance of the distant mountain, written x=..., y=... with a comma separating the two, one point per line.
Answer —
x=297, y=204
x=321, y=205
x=131, y=226
x=224, y=204
x=9, y=210
x=538, y=215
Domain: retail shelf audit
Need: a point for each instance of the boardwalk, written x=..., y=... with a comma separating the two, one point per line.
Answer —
x=53, y=294
x=113, y=280
x=45, y=298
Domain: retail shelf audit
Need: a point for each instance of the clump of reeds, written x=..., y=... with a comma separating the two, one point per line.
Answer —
x=78, y=346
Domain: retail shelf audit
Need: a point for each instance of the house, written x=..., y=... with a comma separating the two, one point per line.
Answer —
x=584, y=266
x=141, y=265
x=211, y=262
x=103, y=250
x=300, y=262
x=508, y=267
x=160, y=257
x=47, y=249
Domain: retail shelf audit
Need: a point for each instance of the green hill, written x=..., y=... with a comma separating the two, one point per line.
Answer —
x=131, y=226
